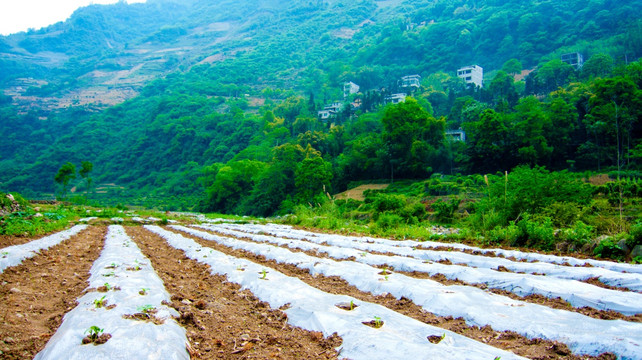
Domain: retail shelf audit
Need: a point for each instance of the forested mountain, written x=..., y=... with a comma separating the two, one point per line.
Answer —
x=169, y=98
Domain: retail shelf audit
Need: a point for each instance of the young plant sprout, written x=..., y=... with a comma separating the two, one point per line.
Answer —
x=109, y=287
x=94, y=332
x=111, y=273
x=100, y=302
x=145, y=309
x=378, y=322
x=351, y=305
x=263, y=274
x=143, y=291
x=5, y=253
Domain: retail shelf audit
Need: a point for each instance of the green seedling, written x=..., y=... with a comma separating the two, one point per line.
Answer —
x=94, y=332
x=5, y=253
x=385, y=271
x=100, y=302
x=109, y=287
x=497, y=358
x=378, y=322
x=351, y=305
x=146, y=309
x=385, y=277
x=143, y=291
x=111, y=273
x=363, y=254
x=263, y=274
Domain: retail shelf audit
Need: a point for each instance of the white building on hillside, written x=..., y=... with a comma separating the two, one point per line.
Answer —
x=350, y=88
x=411, y=81
x=473, y=74
x=396, y=98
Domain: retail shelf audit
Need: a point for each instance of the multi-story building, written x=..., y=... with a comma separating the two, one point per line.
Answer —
x=396, y=98
x=350, y=88
x=472, y=75
x=576, y=60
x=409, y=81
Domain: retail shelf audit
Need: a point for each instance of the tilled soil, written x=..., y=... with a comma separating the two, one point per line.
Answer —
x=508, y=340
x=37, y=293
x=222, y=321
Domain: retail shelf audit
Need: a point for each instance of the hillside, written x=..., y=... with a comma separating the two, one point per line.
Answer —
x=158, y=95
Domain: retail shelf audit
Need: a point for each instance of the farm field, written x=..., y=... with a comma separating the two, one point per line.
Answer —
x=232, y=291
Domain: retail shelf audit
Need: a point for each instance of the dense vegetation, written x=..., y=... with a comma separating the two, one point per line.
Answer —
x=240, y=134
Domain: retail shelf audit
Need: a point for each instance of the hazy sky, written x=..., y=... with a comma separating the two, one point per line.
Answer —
x=20, y=15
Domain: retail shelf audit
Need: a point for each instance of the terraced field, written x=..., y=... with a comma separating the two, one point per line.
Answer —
x=231, y=291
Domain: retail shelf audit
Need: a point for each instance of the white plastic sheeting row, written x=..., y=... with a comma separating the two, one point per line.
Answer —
x=16, y=254
x=577, y=293
x=400, y=337
x=519, y=255
x=631, y=280
x=583, y=335
x=131, y=339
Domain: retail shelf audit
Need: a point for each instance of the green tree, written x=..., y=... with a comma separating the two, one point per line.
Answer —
x=411, y=135
x=512, y=67
x=487, y=144
x=313, y=176
x=86, y=167
x=66, y=173
x=599, y=65
x=530, y=123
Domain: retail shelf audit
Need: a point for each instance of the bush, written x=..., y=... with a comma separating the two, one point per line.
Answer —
x=504, y=235
x=387, y=221
x=445, y=211
x=635, y=236
x=608, y=248
x=579, y=234
x=388, y=202
x=536, y=234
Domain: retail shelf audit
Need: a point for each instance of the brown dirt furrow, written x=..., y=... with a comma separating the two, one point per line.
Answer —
x=538, y=349
x=556, y=303
x=37, y=293
x=222, y=321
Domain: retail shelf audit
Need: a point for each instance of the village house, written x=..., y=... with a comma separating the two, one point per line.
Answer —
x=473, y=74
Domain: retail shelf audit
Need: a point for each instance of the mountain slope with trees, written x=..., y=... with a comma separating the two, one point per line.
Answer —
x=224, y=106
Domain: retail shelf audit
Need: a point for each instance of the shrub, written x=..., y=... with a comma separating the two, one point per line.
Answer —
x=388, y=202
x=608, y=248
x=635, y=236
x=387, y=221
x=536, y=234
x=504, y=235
x=445, y=211
x=579, y=234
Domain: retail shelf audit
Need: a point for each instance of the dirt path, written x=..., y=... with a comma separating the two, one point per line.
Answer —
x=36, y=294
x=222, y=321
x=507, y=340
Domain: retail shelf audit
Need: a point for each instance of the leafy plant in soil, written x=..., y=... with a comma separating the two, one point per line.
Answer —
x=100, y=302
x=376, y=323
x=347, y=306
x=95, y=336
x=263, y=274
x=143, y=291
